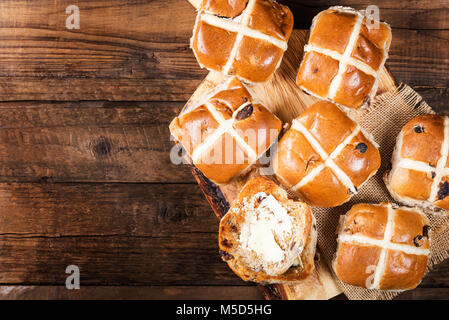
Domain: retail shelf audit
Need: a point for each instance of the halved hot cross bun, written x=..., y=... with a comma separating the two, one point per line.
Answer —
x=381, y=246
x=245, y=38
x=226, y=131
x=420, y=166
x=266, y=237
x=325, y=156
x=343, y=58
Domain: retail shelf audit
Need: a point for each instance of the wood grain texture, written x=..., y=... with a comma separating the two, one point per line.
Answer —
x=98, y=209
x=136, y=51
x=281, y=96
x=170, y=293
x=416, y=14
x=148, y=57
x=131, y=293
x=101, y=141
x=118, y=234
x=88, y=141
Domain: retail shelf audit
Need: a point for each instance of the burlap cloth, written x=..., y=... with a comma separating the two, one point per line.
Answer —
x=384, y=120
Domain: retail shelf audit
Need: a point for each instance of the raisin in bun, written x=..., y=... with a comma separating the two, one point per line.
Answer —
x=266, y=237
x=382, y=246
x=225, y=131
x=325, y=157
x=420, y=166
x=344, y=56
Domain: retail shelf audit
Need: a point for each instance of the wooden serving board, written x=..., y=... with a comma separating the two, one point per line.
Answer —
x=283, y=97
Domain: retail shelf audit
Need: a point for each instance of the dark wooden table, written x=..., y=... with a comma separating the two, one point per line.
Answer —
x=85, y=172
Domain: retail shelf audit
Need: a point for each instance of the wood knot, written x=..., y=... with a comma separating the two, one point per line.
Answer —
x=102, y=147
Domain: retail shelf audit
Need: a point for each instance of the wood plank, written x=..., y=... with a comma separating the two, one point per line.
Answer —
x=101, y=141
x=416, y=14
x=71, y=209
x=169, y=293
x=70, y=89
x=63, y=141
x=425, y=294
x=179, y=259
x=130, y=292
x=118, y=234
x=437, y=98
x=420, y=57
x=36, y=39
x=88, y=141
x=148, y=58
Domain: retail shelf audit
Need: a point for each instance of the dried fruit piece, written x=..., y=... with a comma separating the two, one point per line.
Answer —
x=418, y=240
x=425, y=231
x=418, y=128
x=444, y=190
x=245, y=112
x=362, y=147
x=225, y=256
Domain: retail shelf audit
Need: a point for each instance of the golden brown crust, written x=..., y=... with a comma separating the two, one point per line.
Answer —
x=212, y=45
x=316, y=73
x=332, y=30
x=260, y=50
x=262, y=184
x=221, y=157
x=443, y=199
x=256, y=59
x=411, y=184
x=424, y=145
x=230, y=227
x=370, y=44
x=350, y=158
x=359, y=159
x=411, y=229
x=272, y=19
x=293, y=163
x=224, y=8
x=355, y=87
x=223, y=160
x=192, y=128
x=366, y=220
x=324, y=190
x=327, y=123
x=353, y=263
x=420, y=163
x=260, y=130
x=227, y=101
x=345, y=52
x=403, y=271
x=382, y=247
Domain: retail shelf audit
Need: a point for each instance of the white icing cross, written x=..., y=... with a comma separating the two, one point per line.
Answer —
x=225, y=126
x=240, y=25
x=440, y=170
x=345, y=59
x=385, y=244
x=328, y=159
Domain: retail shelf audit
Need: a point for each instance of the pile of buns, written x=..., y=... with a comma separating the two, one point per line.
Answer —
x=269, y=234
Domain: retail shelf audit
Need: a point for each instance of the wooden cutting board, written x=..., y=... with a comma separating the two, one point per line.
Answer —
x=283, y=97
